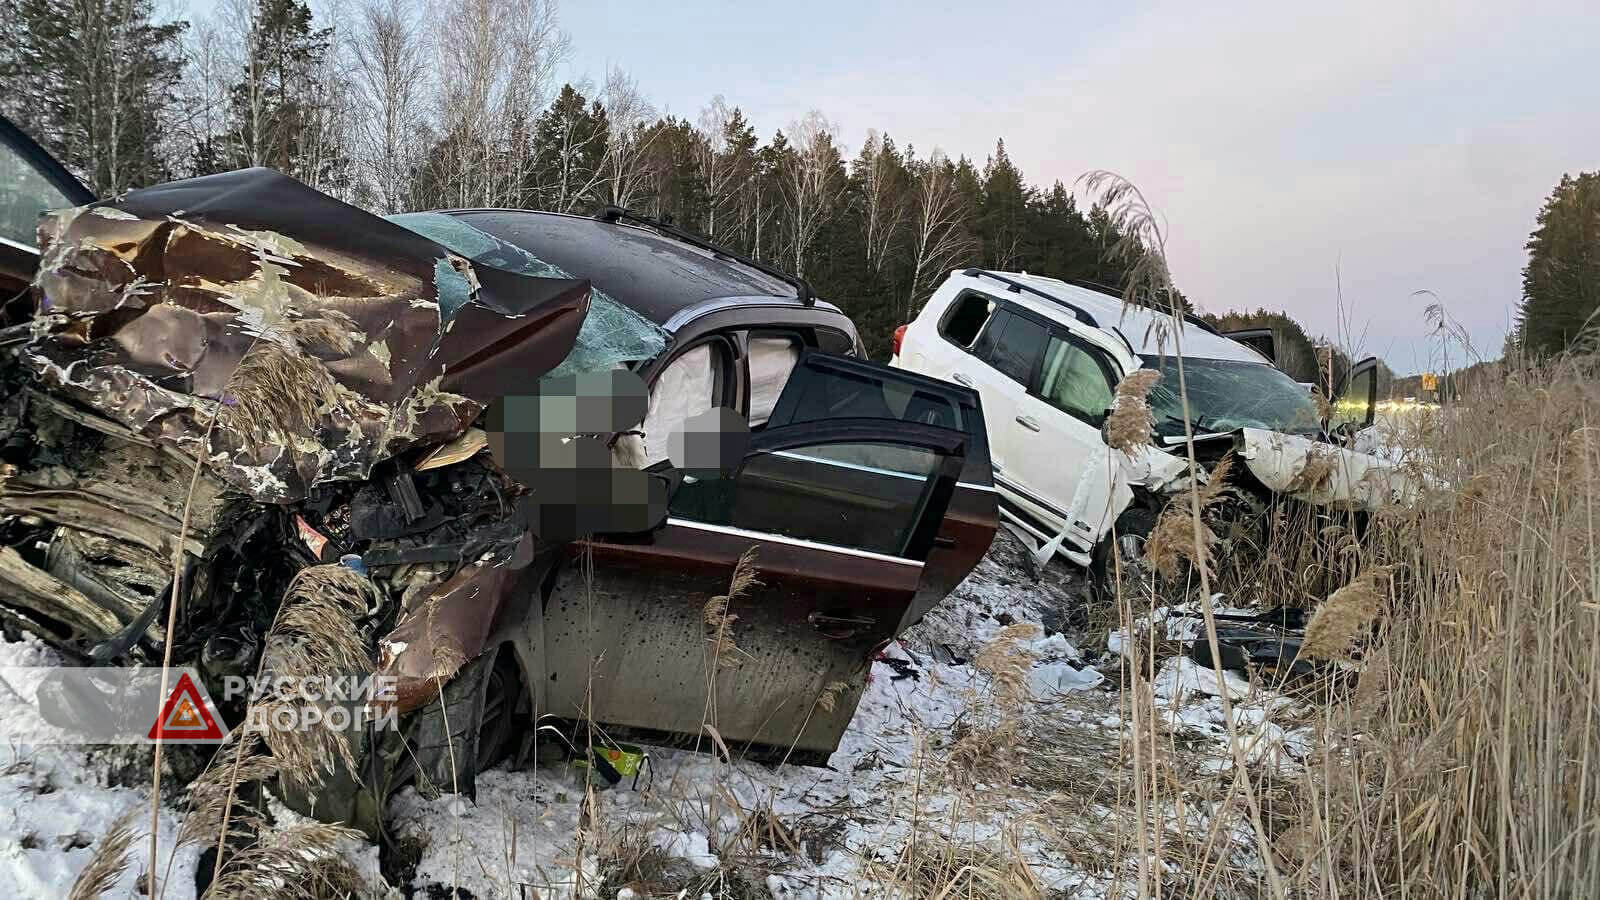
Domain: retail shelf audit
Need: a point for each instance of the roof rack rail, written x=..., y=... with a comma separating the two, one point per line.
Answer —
x=1106, y=289
x=1017, y=287
x=802, y=288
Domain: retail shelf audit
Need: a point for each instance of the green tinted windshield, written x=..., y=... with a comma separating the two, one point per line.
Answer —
x=1225, y=394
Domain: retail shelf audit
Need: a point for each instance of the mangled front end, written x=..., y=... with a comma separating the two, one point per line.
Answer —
x=240, y=360
x=287, y=338
x=1323, y=474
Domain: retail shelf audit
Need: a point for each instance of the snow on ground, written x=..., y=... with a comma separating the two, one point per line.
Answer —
x=706, y=826
x=57, y=802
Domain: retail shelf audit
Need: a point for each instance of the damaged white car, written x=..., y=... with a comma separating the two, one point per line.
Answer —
x=1046, y=357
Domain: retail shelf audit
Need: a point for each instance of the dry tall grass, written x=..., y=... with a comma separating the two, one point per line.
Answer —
x=1466, y=762
x=1457, y=740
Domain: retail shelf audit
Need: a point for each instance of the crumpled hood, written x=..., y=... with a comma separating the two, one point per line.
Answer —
x=1322, y=473
x=312, y=332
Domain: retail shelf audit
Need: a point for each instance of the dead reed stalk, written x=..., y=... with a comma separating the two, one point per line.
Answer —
x=109, y=861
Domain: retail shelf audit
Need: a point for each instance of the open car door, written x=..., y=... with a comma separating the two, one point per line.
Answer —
x=1355, y=404
x=31, y=181
x=1261, y=340
x=864, y=499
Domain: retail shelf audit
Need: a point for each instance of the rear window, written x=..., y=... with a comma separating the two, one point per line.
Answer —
x=965, y=319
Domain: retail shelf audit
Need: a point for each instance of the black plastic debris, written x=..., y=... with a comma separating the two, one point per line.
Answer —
x=1241, y=649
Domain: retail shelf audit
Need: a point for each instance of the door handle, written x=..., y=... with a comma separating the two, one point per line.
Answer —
x=959, y=378
x=1028, y=423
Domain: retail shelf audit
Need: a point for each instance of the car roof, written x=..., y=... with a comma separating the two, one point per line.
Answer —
x=1137, y=323
x=652, y=274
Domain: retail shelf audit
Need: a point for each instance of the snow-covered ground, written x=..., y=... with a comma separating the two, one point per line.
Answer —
x=890, y=800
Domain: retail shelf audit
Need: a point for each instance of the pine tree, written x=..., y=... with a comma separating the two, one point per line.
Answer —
x=569, y=146
x=275, y=119
x=1561, y=283
x=1002, y=218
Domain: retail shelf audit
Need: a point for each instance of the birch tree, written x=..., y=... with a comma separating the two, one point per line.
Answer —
x=880, y=176
x=200, y=132
x=94, y=81
x=627, y=151
x=570, y=150
x=495, y=59
x=939, y=238
x=390, y=71
x=812, y=180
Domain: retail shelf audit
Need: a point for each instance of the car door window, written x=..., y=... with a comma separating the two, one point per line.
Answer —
x=862, y=395
x=862, y=495
x=770, y=361
x=854, y=455
x=24, y=193
x=1354, y=408
x=1076, y=379
x=965, y=320
x=1016, y=348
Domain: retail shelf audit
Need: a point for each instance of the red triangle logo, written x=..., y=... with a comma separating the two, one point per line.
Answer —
x=185, y=716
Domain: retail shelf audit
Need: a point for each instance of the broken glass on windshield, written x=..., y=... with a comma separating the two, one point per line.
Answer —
x=1226, y=394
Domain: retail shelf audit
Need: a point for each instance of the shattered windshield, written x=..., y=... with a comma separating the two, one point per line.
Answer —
x=1226, y=394
x=611, y=333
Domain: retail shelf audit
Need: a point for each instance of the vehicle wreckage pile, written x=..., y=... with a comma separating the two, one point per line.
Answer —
x=245, y=393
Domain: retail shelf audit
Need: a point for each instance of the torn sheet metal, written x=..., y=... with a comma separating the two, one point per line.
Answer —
x=310, y=330
x=449, y=626
x=1322, y=473
x=1145, y=467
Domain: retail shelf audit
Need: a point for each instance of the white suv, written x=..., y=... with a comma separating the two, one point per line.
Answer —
x=1045, y=357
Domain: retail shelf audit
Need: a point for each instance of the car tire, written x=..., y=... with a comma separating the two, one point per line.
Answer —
x=480, y=703
x=1128, y=535
x=470, y=732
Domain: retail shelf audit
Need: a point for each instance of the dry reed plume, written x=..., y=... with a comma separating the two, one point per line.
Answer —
x=1345, y=616
x=719, y=622
x=315, y=635
x=1172, y=544
x=1130, y=423
x=1005, y=662
x=109, y=861
x=303, y=862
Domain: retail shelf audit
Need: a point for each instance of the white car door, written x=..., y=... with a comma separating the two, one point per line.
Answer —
x=951, y=347
x=1008, y=358
x=1061, y=454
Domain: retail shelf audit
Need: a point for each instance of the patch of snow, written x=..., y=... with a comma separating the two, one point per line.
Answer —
x=58, y=802
x=1181, y=678
x=1047, y=680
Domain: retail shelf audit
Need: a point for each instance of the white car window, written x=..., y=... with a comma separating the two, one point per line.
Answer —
x=687, y=387
x=966, y=318
x=1074, y=381
x=24, y=194
x=771, y=361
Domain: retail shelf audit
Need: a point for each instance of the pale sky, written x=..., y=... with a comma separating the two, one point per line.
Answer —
x=1404, y=145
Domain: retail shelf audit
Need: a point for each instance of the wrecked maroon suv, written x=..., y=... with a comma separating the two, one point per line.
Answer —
x=509, y=458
